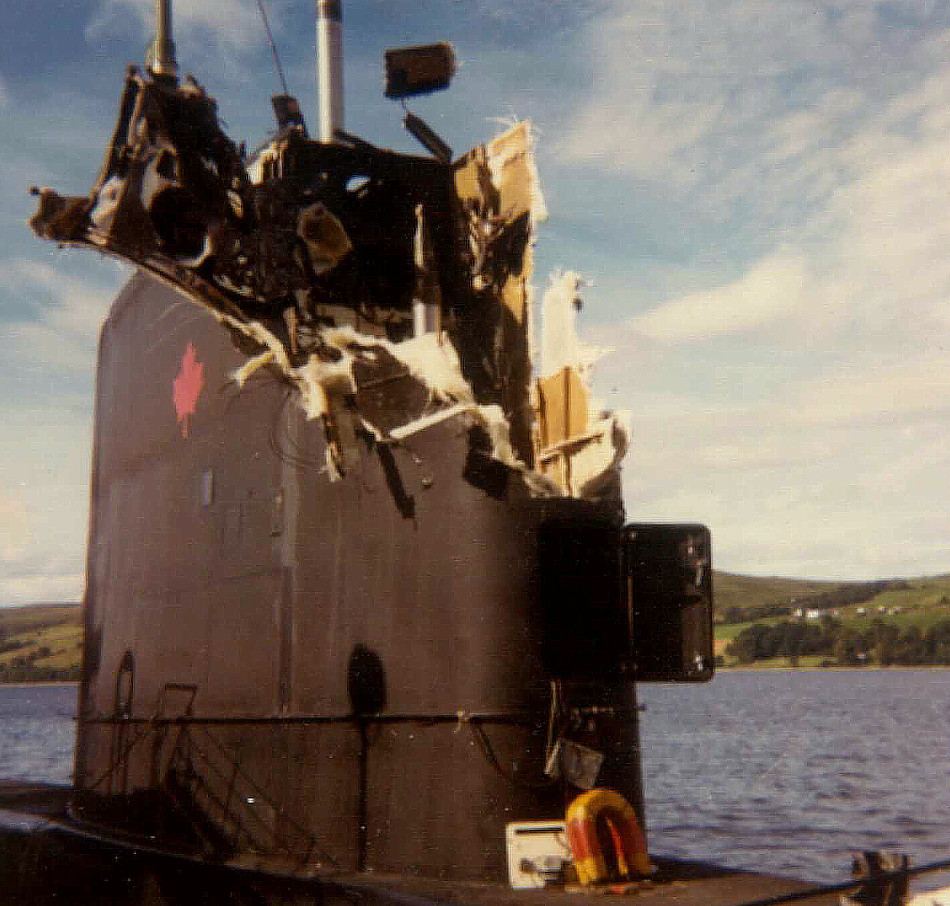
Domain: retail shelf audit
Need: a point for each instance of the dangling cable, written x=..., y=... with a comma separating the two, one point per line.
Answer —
x=273, y=47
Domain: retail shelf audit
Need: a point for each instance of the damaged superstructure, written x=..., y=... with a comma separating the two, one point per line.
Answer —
x=335, y=264
x=358, y=580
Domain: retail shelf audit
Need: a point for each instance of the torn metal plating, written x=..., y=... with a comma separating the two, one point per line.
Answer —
x=341, y=267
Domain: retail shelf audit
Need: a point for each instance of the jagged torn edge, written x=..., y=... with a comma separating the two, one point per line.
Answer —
x=433, y=361
x=430, y=358
x=500, y=152
x=318, y=383
x=598, y=452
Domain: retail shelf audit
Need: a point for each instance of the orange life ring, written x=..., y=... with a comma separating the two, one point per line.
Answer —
x=610, y=810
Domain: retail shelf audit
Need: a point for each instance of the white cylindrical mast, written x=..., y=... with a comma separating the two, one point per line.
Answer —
x=330, y=66
x=161, y=55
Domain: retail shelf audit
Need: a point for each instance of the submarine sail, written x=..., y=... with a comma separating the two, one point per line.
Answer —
x=358, y=577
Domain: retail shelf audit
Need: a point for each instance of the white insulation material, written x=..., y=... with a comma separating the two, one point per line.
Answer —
x=493, y=420
x=560, y=344
x=432, y=359
x=427, y=421
x=243, y=374
x=594, y=462
x=589, y=460
x=322, y=381
x=323, y=388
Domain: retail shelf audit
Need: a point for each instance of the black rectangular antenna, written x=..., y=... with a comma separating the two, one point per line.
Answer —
x=418, y=70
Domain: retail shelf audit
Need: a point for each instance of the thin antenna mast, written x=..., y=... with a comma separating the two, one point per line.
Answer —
x=161, y=54
x=273, y=47
x=330, y=67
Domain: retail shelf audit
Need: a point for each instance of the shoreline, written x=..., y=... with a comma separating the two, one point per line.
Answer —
x=836, y=668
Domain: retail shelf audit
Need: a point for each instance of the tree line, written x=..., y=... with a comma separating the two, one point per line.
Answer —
x=841, y=644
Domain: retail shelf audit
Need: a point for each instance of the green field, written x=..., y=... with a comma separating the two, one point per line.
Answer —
x=40, y=641
x=745, y=592
x=903, y=603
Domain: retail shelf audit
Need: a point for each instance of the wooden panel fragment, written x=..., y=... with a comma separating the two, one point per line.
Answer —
x=562, y=424
x=562, y=400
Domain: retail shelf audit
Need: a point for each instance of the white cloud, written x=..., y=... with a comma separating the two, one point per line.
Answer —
x=830, y=463
x=773, y=287
x=876, y=392
x=49, y=348
x=849, y=194
x=229, y=26
x=44, y=461
x=14, y=533
x=784, y=498
x=63, y=332
x=742, y=103
x=43, y=586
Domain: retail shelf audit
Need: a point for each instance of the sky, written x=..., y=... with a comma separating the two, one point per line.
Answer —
x=757, y=193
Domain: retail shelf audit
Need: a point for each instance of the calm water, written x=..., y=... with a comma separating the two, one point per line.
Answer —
x=793, y=770
x=783, y=771
x=37, y=732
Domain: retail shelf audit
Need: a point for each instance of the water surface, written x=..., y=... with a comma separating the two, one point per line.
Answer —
x=791, y=770
x=37, y=732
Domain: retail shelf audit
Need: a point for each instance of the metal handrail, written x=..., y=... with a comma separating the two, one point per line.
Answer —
x=233, y=808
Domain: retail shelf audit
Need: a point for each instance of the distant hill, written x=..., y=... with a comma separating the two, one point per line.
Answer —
x=40, y=642
x=747, y=592
x=777, y=622
x=745, y=598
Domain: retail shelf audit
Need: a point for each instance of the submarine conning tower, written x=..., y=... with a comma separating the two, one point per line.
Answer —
x=352, y=671
x=359, y=589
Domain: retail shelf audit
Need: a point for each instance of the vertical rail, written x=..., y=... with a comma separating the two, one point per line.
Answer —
x=330, y=66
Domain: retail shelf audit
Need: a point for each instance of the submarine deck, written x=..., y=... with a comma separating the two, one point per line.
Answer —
x=47, y=857
x=676, y=882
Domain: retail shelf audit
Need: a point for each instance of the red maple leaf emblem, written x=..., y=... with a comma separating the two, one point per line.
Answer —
x=186, y=388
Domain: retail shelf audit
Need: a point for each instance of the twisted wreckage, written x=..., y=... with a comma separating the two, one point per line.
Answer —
x=334, y=266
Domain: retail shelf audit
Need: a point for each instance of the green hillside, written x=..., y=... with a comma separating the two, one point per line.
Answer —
x=40, y=642
x=752, y=592
x=773, y=622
